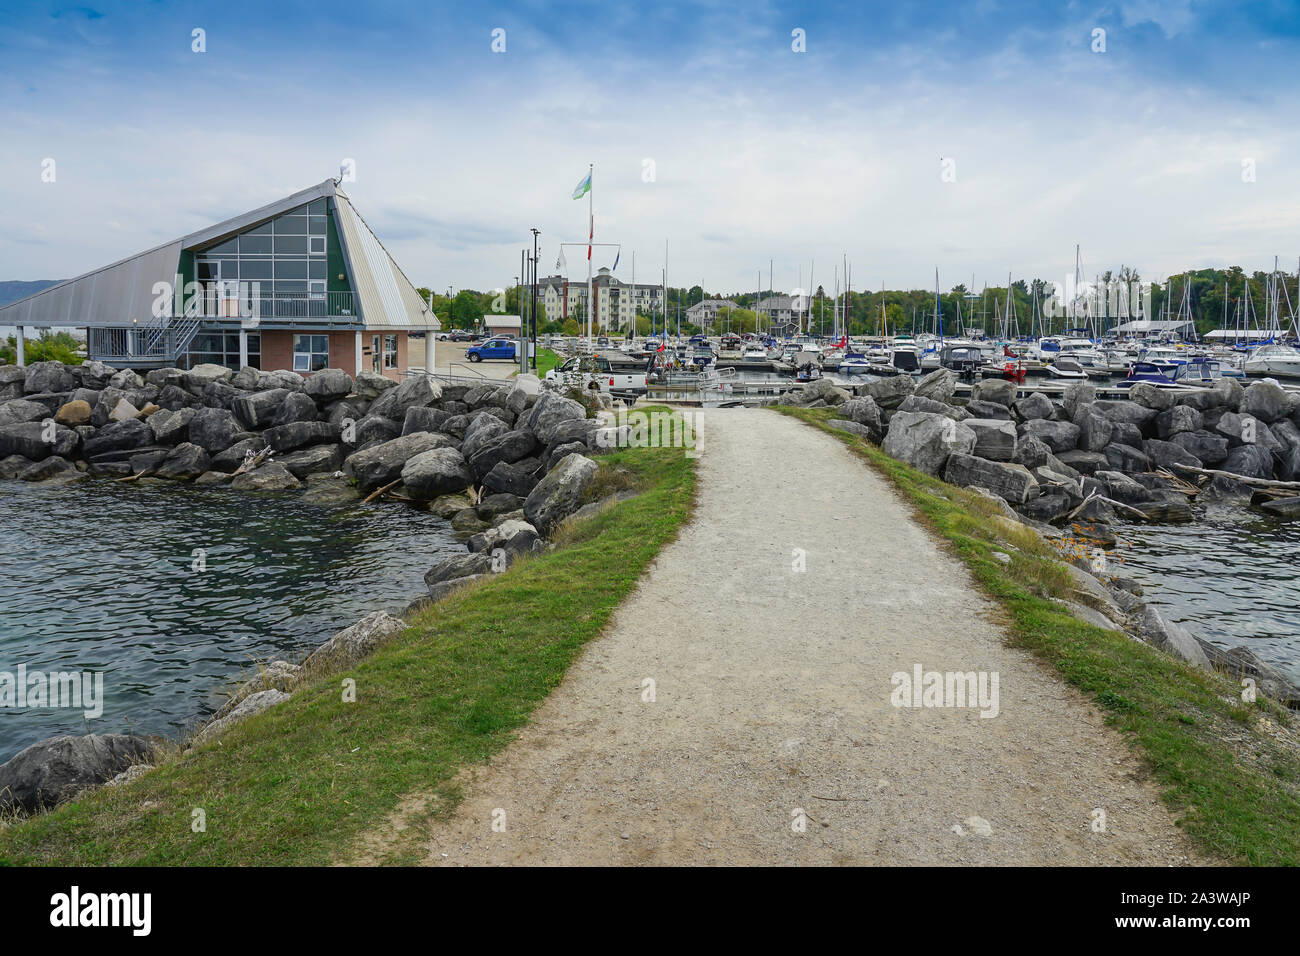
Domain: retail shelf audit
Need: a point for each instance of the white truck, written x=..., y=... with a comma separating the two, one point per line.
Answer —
x=621, y=376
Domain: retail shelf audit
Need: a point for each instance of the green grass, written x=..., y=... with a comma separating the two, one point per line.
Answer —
x=1227, y=770
x=546, y=360
x=299, y=784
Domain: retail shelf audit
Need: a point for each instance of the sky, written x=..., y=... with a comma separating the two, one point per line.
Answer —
x=980, y=138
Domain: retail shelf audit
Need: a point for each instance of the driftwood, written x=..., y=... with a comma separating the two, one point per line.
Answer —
x=1253, y=482
x=142, y=474
x=1180, y=484
x=251, y=463
x=379, y=491
x=1117, y=505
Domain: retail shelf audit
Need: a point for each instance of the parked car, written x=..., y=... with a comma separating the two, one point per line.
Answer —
x=497, y=348
x=460, y=335
x=623, y=377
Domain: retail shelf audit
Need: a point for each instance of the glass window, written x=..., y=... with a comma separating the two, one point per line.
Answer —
x=206, y=271
x=311, y=353
x=317, y=226
x=226, y=248
x=290, y=268
x=317, y=269
x=390, y=351
x=316, y=245
x=283, y=285
x=291, y=225
x=251, y=269
x=263, y=230
x=290, y=245
x=254, y=245
x=316, y=207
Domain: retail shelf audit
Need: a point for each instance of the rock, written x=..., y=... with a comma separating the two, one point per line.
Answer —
x=72, y=414
x=13, y=465
x=995, y=439
x=197, y=378
x=525, y=387
x=853, y=428
x=234, y=456
x=1048, y=507
x=212, y=478
x=256, y=410
x=1239, y=429
x=1084, y=462
x=48, y=377
x=1283, y=507
x=219, y=394
x=170, y=427
x=1171, y=509
x=133, y=772
x=370, y=385
x=560, y=493
x=46, y=469
x=915, y=403
x=312, y=460
x=213, y=429
x=328, y=385
x=996, y=390
x=125, y=379
x=448, y=506
x=1205, y=447
x=1152, y=396
x=1129, y=412
x=1121, y=487
x=250, y=705
x=300, y=435
x=925, y=441
x=458, y=566
x=123, y=411
x=863, y=411
x=1249, y=461
x=184, y=462
x=1158, y=630
x=1095, y=429
x=1126, y=458
x=271, y=476
x=416, y=391
x=1176, y=420
x=939, y=386
x=1266, y=401
x=519, y=479
x=1165, y=454
x=1122, y=433
x=119, y=436
x=296, y=407
x=246, y=379
x=329, y=489
x=1058, y=436
x=20, y=410
x=549, y=413
x=509, y=447
x=1009, y=481
x=174, y=397
x=53, y=771
x=1033, y=406
x=1226, y=490
x=467, y=523
x=377, y=466
x=491, y=393
x=440, y=590
x=421, y=419
x=1030, y=452
x=281, y=378
x=1076, y=394
x=32, y=440
x=495, y=505
x=888, y=392
x=147, y=460
x=96, y=375
x=480, y=431
x=440, y=471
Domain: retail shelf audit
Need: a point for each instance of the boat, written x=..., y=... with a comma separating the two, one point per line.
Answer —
x=1148, y=372
x=754, y=353
x=1067, y=368
x=965, y=360
x=1276, y=361
x=854, y=362
x=1198, y=371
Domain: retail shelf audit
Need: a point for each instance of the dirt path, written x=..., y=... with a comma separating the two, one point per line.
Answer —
x=773, y=691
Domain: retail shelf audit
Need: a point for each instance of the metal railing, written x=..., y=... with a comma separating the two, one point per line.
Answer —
x=157, y=343
x=228, y=304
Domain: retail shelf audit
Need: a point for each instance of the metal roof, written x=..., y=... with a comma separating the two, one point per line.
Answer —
x=117, y=294
x=1152, y=325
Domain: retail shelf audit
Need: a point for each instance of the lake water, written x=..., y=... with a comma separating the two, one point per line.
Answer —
x=1232, y=576
x=100, y=577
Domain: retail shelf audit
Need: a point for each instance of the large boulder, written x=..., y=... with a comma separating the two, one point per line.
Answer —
x=312, y=460
x=939, y=386
x=456, y=566
x=370, y=385
x=1165, y=454
x=481, y=430
x=119, y=436
x=1250, y=461
x=197, y=378
x=271, y=476
x=997, y=390
x=213, y=429
x=512, y=535
x=74, y=413
x=915, y=403
x=328, y=385
x=863, y=410
x=1058, y=436
x=234, y=456
x=371, y=430
x=888, y=392
x=1123, y=457
x=416, y=391
x=296, y=407
x=1095, y=429
x=1156, y=629
x=521, y=478
x=1176, y=420
x=1267, y=401
x=20, y=410
x=981, y=409
x=560, y=493
x=95, y=375
x=1084, y=462
x=256, y=410
x=1130, y=412
x=377, y=466
x=549, y=413
x=423, y=419
x=1011, y=482
x=441, y=471
x=353, y=643
x=1206, y=447
x=170, y=427
x=1076, y=394
x=511, y=446
x=56, y=770
x=995, y=439
x=925, y=441
x=300, y=434
x=48, y=377
x=1153, y=396
x=1033, y=406
x=184, y=462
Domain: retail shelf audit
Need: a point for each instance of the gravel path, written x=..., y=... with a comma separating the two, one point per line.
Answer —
x=772, y=694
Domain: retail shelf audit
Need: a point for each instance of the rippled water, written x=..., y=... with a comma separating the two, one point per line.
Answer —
x=1232, y=576
x=99, y=576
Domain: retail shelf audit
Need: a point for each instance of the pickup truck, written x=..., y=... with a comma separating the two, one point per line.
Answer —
x=622, y=376
x=492, y=349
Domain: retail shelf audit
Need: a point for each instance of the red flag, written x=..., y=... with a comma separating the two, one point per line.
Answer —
x=591, y=236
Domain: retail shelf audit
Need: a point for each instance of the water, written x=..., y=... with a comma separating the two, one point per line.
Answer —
x=1231, y=576
x=98, y=576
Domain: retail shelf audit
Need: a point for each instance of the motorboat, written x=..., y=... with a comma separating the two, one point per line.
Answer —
x=1148, y=372
x=1277, y=361
x=1066, y=368
x=854, y=362
x=966, y=360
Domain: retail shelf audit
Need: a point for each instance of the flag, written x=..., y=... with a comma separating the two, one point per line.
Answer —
x=616, y=255
x=559, y=262
x=591, y=235
x=583, y=187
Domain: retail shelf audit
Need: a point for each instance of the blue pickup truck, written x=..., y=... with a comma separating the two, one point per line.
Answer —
x=492, y=349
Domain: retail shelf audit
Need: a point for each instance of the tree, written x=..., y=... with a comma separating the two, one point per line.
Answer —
x=571, y=327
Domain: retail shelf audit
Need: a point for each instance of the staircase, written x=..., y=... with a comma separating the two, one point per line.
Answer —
x=159, y=344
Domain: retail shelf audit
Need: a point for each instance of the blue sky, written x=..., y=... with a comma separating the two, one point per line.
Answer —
x=759, y=153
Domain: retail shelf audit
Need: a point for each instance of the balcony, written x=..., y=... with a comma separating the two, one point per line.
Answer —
x=271, y=308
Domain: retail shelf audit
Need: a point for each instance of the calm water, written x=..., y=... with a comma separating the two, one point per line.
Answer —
x=99, y=576
x=1232, y=576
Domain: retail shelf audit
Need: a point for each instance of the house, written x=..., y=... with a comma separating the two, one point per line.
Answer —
x=302, y=283
x=704, y=312
x=617, y=303
x=784, y=311
x=502, y=325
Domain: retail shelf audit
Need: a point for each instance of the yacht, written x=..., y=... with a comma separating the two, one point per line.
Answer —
x=1065, y=367
x=1277, y=361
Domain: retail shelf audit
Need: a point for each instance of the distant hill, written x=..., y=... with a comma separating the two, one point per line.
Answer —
x=13, y=289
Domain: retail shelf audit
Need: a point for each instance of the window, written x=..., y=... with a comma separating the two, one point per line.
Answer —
x=390, y=351
x=316, y=245
x=311, y=353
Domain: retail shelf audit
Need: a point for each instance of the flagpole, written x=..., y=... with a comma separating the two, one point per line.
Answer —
x=591, y=235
